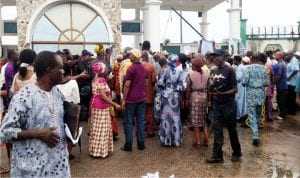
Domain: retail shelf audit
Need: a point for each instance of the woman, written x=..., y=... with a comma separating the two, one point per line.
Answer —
x=172, y=83
x=25, y=74
x=34, y=124
x=115, y=73
x=197, y=99
x=70, y=90
x=101, y=139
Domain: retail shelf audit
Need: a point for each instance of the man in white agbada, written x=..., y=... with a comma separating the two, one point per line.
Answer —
x=240, y=96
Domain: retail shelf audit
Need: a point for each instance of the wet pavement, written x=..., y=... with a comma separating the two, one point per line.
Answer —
x=277, y=156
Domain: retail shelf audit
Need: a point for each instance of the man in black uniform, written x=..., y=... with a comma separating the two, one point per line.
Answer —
x=223, y=89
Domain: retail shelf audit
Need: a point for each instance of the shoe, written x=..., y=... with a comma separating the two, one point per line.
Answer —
x=115, y=138
x=215, y=160
x=4, y=170
x=151, y=135
x=235, y=158
x=71, y=157
x=126, y=149
x=196, y=145
x=256, y=142
x=244, y=125
x=279, y=118
x=206, y=143
x=141, y=147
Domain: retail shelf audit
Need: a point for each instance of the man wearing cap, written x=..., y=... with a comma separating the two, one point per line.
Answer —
x=292, y=70
x=134, y=101
x=223, y=88
x=84, y=83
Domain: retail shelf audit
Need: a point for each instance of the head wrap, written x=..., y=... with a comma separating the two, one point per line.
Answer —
x=99, y=68
x=137, y=53
x=173, y=58
x=99, y=49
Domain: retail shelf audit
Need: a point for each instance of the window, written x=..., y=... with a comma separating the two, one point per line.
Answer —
x=69, y=25
x=10, y=27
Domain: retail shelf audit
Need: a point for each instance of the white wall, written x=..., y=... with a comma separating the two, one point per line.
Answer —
x=260, y=45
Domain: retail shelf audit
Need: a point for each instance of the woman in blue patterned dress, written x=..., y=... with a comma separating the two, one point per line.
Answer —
x=172, y=83
x=34, y=124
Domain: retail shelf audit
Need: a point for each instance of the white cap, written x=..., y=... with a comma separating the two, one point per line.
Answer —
x=297, y=53
x=246, y=59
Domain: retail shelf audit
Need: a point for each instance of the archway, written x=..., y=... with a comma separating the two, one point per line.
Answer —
x=73, y=25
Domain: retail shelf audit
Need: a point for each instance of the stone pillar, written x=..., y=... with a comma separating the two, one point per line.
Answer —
x=234, y=22
x=151, y=17
x=137, y=37
x=204, y=25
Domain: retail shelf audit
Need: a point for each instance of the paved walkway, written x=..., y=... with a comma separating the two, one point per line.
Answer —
x=277, y=156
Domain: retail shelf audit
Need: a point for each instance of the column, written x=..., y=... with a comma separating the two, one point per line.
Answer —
x=204, y=24
x=152, y=23
x=234, y=24
x=137, y=37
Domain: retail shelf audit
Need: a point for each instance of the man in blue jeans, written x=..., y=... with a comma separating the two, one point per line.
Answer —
x=134, y=101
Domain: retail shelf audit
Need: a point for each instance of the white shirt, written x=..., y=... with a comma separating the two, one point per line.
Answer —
x=70, y=91
x=2, y=75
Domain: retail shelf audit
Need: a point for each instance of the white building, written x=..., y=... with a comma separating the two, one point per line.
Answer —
x=80, y=24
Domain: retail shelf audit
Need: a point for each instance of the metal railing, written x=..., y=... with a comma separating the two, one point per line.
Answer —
x=291, y=32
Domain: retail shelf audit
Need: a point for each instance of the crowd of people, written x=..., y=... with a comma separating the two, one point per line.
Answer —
x=151, y=91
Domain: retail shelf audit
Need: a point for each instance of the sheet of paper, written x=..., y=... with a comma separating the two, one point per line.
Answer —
x=69, y=135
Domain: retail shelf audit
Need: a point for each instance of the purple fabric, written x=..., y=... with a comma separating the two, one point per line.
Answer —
x=9, y=76
x=137, y=74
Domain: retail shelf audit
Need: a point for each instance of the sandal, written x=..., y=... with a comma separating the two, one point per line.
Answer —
x=206, y=143
x=196, y=145
x=4, y=170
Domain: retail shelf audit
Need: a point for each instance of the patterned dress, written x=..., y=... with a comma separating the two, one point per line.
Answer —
x=33, y=108
x=197, y=83
x=172, y=83
x=101, y=139
x=255, y=81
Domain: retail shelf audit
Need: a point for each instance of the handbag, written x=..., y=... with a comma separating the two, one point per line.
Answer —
x=71, y=117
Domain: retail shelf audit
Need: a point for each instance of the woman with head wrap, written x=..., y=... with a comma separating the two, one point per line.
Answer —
x=197, y=99
x=101, y=139
x=172, y=83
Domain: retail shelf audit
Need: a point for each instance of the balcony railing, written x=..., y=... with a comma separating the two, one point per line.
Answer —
x=257, y=33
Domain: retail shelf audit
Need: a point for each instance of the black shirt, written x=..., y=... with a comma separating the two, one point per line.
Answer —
x=81, y=67
x=223, y=79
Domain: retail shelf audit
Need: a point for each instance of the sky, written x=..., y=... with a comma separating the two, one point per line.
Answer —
x=263, y=13
x=258, y=12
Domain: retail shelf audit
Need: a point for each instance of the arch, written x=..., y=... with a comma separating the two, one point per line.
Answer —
x=52, y=3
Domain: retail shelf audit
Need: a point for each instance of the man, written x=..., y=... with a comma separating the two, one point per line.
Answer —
x=156, y=65
x=149, y=94
x=292, y=71
x=255, y=81
x=134, y=101
x=146, y=46
x=102, y=56
x=34, y=123
x=241, y=92
x=84, y=83
x=281, y=83
x=223, y=89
